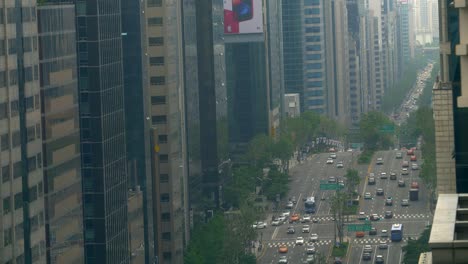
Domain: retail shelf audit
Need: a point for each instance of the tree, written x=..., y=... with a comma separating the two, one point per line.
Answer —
x=276, y=183
x=338, y=203
x=370, y=128
x=319, y=258
x=243, y=183
x=415, y=247
x=283, y=150
x=352, y=180
x=259, y=151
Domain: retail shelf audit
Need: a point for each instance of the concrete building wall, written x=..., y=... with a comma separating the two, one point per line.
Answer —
x=292, y=105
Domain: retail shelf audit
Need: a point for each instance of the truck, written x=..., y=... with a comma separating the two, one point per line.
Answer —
x=413, y=194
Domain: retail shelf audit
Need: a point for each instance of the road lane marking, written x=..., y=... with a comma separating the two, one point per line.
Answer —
x=388, y=253
x=273, y=236
x=297, y=202
x=401, y=254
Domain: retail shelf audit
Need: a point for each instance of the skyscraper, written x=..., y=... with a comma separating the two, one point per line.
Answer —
x=102, y=121
x=60, y=133
x=165, y=89
x=22, y=187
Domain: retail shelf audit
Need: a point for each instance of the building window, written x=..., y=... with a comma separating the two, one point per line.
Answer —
x=29, y=103
x=11, y=16
x=312, y=11
x=14, y=108
x=33, y=194
x=312, y=20
x=166, y=235
x=313, y=47
x=2, y=43
x=3, y=78
x=313, y=39
x=160, y=119
x=31, y=133
x=32, y=164
x=38, y=131
x=165, y=198
x=3, y=110
x=166, y=217
x=314, y=56
x=158, y=80
x=16, y=139
x=155, y=21
x=314, y=66
x=311, y=2
x=18, y=200
x=312, y=29
x=163, y=178
x=6, y=205
x=13, y=77
x=12, y=46
x=5, y=142
x=162, y=139
x=163, y=158
x=5, y=173
x=158, y=100
x=167, y=255
x=156, y=61
x=152, y=3
x=39, y=160
x=314, y=75
x=7, y=236
x=156, y=41
x=17, y=169
x=19, y=233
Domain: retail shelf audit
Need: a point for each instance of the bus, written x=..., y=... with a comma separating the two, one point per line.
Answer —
x=397, y=232
x=309, y=205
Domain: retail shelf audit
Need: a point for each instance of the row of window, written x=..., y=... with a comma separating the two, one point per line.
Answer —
x=155, y=21
x=33, y=132
x=35, y=192
x=28, y=14
x=312, y=29
x=313, y=66
x=311, y=11
x=314, y=93
x=312, y=20
x=31, y=103
x=313, y=47
x=312, y=75
x=313, y=38
x=311, y=2
x=34, y=162
x=13, y=76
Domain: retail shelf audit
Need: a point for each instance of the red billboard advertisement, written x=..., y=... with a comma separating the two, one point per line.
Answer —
x=243, y=16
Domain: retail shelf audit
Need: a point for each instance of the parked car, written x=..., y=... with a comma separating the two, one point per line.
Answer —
x=283, y=260
x=339, y=165
x=310, y=249
x=379, y=259
x=333, y=155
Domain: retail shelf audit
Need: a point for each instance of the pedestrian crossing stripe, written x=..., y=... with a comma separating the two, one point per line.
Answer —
x=412, y=216
x=379, y=240
x=293, y=244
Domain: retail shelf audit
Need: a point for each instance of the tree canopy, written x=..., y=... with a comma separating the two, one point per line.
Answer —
x=370, y=129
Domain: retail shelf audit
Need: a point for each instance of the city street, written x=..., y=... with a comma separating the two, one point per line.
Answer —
x=305, y=182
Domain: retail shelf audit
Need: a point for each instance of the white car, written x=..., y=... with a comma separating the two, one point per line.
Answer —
x=299, y=241
x=310, y=250
x=339, y=165
x=368, y=248
x=313, y=238
x=289, y=205
x=362, y=216
x=367, y=196
x=276, y=222
x=383, y=245
x=310, y=259
x=330, y=161
x=305, y=229
x=414, y=166
x=286, y=213
x=281, y=218
x=305, y=219
x=384, y=233
x=383, y=175
x=379, y=161
x=404, y=171
x=259, y=225
x=333, y=155
x=283, y=259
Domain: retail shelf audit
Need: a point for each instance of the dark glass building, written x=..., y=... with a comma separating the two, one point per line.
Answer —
x=60, y=133
x=102, y=122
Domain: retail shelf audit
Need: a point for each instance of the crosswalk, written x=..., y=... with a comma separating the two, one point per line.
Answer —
x=370, y=241
x=352, y=218
x=408, y=216
x=292, y=244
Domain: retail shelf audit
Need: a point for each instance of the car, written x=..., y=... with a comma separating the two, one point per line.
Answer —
x=333, y=155
x=294, y=218
x=404, y=171
x=393, y=176
x=398, y=155
x=289, y=205
x=305, y=218
x=300, y=241
x=331, y=150
x=415, y=185
x=383, y=175
x=389, y=201
x=315, y=220
x=341, y=183
x=405, y=164
x=305, y=229
x=374, y=217
x=368, y=248
x=259, y=225
x=331, y=179
x=362, y=216
x=379, y=192
x=291, y=230
x=404, y=202
x=410, y=152
x=371, y=181
x=310, y=249
x=276, y=222
x=401, y=183
x=379, y=161
x=293, y=200
x=367, y=196
x=330, y=161
x=340, y=165
x=383, y=245
x=366, y=256
x=286, y=213
x=313, y=238
x=414, y=166
x=388, y=214
x=373, y=231
x=384, y=233
x=283, y=249
x=413, y=158
x=360, y=234
x=283, y=259
x=310, y=259
x=379, y=259
x=337, y=260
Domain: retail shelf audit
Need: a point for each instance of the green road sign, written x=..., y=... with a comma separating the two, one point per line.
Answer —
x=387, y=129
x=359, y=227
x=330, y=186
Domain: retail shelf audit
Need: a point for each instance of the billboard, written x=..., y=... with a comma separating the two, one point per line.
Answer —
x=243, y=16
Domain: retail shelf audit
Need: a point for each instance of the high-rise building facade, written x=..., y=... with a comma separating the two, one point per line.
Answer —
x=314, y=49
x=165, y=89
x=293, y=15
x=102, y=123
x=22, y=187
x=403, y=31
x=60, y=132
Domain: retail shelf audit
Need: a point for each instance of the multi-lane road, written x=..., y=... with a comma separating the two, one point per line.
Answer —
x=305, y=182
